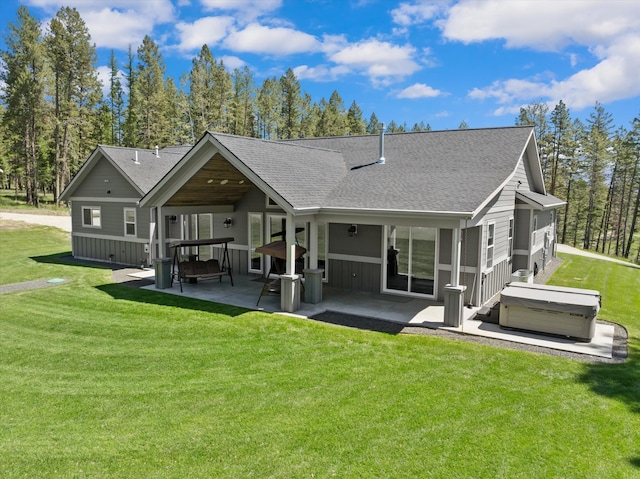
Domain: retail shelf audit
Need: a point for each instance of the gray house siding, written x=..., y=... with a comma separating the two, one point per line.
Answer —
x=105, y=181
x=109, y=250
x=364, y=271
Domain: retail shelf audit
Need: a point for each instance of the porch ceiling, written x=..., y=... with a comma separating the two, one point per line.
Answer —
x=216, y=183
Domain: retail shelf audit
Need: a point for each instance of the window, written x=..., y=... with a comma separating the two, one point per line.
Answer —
x=255, y=240
x=91, y=216
x=490, y=241
x=510, y=237
x=535, y=230
x=129, y=222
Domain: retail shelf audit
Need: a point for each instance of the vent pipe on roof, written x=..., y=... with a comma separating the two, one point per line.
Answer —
x=157, y=153
x=381, y=160
x=136, y=162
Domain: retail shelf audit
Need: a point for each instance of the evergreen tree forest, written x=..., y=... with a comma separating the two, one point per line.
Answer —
x=53, y=113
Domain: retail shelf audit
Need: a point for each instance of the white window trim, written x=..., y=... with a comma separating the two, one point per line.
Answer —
x=135, y=222
x=251, y=251
x=268, y=203
x=85, y=225
x=534, y=231
x=491, y=247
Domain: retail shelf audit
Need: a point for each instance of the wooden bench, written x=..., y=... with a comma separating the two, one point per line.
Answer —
x=209, y=269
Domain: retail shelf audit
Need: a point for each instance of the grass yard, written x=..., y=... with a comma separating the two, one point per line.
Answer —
x=103, y=380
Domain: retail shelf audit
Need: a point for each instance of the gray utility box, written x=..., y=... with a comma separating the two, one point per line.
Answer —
x=522, y=276
x=162, y=268
x=568, y=312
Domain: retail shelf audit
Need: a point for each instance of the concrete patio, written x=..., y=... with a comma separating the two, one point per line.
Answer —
x=397, y=309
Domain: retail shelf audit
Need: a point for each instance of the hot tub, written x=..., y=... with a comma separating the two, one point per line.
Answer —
x=568, y=312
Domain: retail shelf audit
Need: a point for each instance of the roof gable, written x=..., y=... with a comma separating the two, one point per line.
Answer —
x=141, y=175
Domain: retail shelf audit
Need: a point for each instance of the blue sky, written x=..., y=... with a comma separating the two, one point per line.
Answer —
x=440, y=62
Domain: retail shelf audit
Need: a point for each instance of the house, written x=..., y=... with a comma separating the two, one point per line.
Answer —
x=442, y=215
x=107, y=223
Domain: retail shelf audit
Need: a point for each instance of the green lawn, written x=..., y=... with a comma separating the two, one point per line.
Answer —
x=102, y=380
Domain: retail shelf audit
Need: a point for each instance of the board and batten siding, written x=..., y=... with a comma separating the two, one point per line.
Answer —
x=109, y=250
x=355, y=261
x=500, y=211
x=105, y=181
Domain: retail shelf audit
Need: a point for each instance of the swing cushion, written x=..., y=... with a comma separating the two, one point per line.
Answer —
x=200, y=269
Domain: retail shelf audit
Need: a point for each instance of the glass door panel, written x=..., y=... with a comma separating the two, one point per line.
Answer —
x=255, y=240
x=423, y=252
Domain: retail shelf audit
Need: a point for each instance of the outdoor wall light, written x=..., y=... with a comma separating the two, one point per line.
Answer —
x=353, y=230
x=227, y=222
x=173, y=219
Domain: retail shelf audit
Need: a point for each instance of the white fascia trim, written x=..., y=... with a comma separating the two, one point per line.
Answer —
x=405, y=213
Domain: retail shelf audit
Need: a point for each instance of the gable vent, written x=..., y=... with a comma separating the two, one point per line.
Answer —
x=136, y=162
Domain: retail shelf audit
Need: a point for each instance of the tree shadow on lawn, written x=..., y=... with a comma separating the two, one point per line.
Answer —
x=131, y=291
x=618, y=381
x=122, y=291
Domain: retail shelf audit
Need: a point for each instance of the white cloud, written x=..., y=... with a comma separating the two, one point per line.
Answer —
x=277, y=41
x=419, y=90
x=541, y=24
x=383, y=62
x=245, y=9
x=232, y=62
x=119, y=25
x=320, y=72
x=407, y=14
x=209, y=30
x=609, y=30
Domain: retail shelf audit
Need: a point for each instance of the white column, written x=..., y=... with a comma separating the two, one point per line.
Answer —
x=313, y=244
x=161, y=232
x=291, y=245
x=455, y=256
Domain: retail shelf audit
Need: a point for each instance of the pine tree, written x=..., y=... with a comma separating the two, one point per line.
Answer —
x=597, y=154
x=115, y=102
x=463, y=125
x=535, y=114
x=372, y=125
x=291, y=109
x=333, y=119
x=24, y=73
x=268, y=105
x=243, y=104
x=76, y=93
x=130, y=129
x=150, y=94
x=355, y=122
x=561, y=144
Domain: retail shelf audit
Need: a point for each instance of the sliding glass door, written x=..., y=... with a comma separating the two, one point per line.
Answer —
x=411, y=259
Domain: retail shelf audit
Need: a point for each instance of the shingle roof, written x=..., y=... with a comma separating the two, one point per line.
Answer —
x=436, y=171
x=539, y=201
x=302, y=175
x=150, y=169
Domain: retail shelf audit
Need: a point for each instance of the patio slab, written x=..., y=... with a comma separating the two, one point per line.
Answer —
x=398, y=309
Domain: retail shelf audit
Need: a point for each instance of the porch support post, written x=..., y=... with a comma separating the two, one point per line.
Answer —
x=290, y=282
x=454, y=292
x=313, y=244
x=160, y=222
x=162, y=264
x=456, y=243
x=313, y=275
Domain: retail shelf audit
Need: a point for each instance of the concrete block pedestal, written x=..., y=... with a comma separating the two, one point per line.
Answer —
x=453, y=302
x=313, y=286
x=290, y=292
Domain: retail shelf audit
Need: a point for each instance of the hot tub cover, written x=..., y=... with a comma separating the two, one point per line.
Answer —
x=555, y=298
